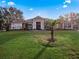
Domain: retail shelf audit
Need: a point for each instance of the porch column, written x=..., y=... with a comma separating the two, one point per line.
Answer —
x=34, y=25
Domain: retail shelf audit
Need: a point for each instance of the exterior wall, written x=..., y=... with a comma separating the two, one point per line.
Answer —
x=16, y=26
x=68, y=25
x=38, y=20
x=29, y=26
x=69, y=22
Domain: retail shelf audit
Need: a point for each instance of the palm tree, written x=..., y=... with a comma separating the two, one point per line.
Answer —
x=52, y=25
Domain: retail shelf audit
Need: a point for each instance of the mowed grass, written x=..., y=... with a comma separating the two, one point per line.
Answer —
x=26, y=45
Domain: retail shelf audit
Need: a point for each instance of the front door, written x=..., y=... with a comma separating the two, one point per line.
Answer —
x=38, y=25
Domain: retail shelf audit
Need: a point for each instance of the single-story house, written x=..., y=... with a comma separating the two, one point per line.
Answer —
x=37, y=23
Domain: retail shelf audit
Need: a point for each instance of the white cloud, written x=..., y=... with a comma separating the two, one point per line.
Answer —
x=31, y=9
x=11, y=3
x=3, y=1
x=67, y=1
x=65, y=6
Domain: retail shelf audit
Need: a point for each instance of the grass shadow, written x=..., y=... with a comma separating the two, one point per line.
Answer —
x=41, y=51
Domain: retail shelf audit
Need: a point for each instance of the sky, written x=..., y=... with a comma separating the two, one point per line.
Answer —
x=44, y=8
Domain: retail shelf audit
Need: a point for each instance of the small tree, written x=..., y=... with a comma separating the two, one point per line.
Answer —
x=52, y=24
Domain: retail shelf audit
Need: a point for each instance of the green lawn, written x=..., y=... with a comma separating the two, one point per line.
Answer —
x=26, y=45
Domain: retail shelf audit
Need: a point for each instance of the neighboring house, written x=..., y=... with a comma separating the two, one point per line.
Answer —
x=68, y=22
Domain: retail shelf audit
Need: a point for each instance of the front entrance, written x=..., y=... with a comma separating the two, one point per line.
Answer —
x=38, y=25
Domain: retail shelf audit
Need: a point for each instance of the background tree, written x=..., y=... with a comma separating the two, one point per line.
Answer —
x=19, y=14
x=1, y=19
x=8, y=15
x=77, y=21
x=1, y=24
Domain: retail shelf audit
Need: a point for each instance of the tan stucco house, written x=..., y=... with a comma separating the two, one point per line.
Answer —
x=37, y=23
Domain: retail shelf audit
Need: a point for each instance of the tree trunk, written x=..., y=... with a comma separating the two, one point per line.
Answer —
x=52, y=34
x=0, y=26
x=7, y=27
